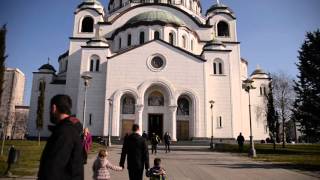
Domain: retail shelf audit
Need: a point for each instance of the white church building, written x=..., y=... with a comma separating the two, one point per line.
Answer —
x=157, y=63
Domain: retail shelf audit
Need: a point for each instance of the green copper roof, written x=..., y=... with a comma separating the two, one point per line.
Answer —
x=151, y=16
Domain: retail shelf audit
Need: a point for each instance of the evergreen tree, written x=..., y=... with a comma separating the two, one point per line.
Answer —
x=3, y=56
x=307, y=87
x=272, y=117
x=40, y=109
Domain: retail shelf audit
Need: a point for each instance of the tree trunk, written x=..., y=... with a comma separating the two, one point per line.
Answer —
x=283, y=133
x=39, y=137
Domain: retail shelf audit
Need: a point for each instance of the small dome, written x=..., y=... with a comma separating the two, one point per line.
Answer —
x=90, y=2
x=47, y=67
x=258, y=71
x=220, y=8
x=152, y=16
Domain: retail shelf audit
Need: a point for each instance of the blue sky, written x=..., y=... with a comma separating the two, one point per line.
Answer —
x=270, y=31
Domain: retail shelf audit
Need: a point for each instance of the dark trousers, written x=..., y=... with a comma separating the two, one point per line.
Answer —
x=154, y=148
x=240, y=147
x=167, y=147
x=85, y=157
x=135, y=174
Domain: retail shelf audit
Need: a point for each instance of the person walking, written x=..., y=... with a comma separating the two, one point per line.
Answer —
x=167, y=141
x=240, y=140
x=144, y=135
x=155, y=140
x=101, y=165
x=62, y=157
x=11, y=159
x=157, y=172
x=86, y=144
x=136, y=150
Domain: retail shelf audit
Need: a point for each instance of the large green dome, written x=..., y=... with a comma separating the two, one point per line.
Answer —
x=152, y=16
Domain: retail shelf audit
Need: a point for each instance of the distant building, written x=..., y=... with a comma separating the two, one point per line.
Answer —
x=11, y=104
x=157, y=64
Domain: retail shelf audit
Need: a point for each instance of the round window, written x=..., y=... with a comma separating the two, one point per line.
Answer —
x=157, y=62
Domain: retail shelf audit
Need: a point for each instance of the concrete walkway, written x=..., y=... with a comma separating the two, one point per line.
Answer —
x=199, y=164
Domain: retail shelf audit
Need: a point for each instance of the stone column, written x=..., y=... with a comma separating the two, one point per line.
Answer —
x=173, y=114
x=139, y=110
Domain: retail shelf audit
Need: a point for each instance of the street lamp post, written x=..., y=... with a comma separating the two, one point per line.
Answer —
x=211, y=107
x=86, y=80
x=109, y=129
x=247, y=86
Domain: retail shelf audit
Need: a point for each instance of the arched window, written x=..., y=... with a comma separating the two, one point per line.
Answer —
x=87, y=24
x=214, y=68
x=119, y=43
x=169, y=2
x=91, y=65
x=223, y=29
x=156, y=35
x=191, y=45
x=218, y=67
x=129, y=40
x=42, y=85
x=263, y=90
x=183, y=107
x=219, y=122
x=94, y=63
x=171, y=38
x=190, y=4
x=184, y=42
x=156, y=99
x=141, y=37
x=97, y=65
x=182, y=2
x=128, y=105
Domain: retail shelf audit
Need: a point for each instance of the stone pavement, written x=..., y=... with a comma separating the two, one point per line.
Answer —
x=197, y=163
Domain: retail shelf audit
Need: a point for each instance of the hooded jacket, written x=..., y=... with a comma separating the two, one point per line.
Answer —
x=62, y=156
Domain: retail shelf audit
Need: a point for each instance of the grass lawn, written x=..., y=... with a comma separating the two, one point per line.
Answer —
x=298, y=156
x=30, y=154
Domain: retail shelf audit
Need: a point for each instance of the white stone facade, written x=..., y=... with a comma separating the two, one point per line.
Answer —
x=157, y=64
x=12, y=97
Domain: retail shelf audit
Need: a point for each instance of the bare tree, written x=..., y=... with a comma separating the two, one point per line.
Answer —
x=283, y=94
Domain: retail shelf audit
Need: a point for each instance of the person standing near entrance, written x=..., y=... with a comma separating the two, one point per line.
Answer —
x=62, y=156
x=136, y=150
x=240, y=140
x=155, y=140
x=167, y=141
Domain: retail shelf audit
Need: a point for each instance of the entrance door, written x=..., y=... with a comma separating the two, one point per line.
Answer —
x=126, y=126
x=155, y=124
x=182, y=130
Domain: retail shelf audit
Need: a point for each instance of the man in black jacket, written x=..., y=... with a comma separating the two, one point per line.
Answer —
x=136, y=148
x=62, y=156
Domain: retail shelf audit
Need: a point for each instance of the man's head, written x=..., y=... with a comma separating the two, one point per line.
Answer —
x=59, y=105
x=157, y=162
x=240, y=134
x=135, y=128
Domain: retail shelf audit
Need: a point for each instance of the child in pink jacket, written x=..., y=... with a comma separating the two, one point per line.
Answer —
x=101, y=166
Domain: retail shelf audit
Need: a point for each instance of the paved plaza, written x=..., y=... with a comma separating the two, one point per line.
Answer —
x=199, y=164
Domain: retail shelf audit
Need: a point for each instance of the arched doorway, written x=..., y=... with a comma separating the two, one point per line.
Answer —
x=184, y=117
x=127, y=114
x=156, y=119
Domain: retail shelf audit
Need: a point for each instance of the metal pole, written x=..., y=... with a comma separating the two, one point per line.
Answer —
x=109, y=134
x=84, y=105
x=252, y=151
x=211, y=141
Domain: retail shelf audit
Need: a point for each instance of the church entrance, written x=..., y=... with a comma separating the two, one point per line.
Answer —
x=155, y=124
